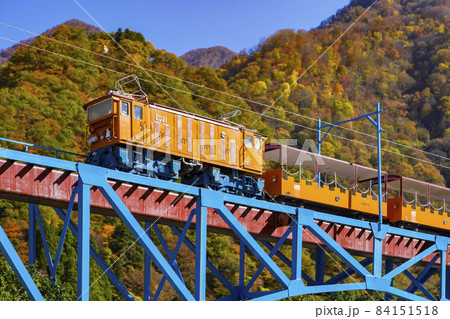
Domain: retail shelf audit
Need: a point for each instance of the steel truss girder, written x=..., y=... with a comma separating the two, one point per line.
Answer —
x=305, y=220
x=95, y=176
x=68, y=224
x=171, y=255
x=50, y=187
x=209, y=265
x=36, y=215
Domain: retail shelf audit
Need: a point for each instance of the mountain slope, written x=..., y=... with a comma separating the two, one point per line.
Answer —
x=213, y=57
x=397, y=54
x=6, y=54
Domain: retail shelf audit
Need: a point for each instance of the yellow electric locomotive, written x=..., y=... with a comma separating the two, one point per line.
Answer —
x=129, y=134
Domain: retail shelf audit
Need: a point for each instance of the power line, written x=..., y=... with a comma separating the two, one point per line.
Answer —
x=221, y=92
x=132, y=58
x=320, y=56
x=228, y=104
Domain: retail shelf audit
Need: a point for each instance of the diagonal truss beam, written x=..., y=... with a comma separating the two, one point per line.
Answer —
x=36, y=215
x=252, y=245
x=210, y=266
x=19, y=269
x=424, y=275
x=337, y=249
x=66, y=220
x=172, y=256
x=132, y=224
x=271, y=254
x=410, y=262
x=419, y=285
x=105, y=268
x=347, y=273
x=97, y=176
x=48, y=255
x=286, y=260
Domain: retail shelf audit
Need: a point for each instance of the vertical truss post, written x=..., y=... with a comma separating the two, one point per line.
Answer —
x=447, y=282
x=442, y=245
x=104, y=267
x=147, y=266
x=377, y=256
x=320, y=265
x=83, y=240
x=388, y=267
x=379, y=233
x=297, y=246
x=241, y=266
x=31, y=235
x=200, y=250
x=443, y=274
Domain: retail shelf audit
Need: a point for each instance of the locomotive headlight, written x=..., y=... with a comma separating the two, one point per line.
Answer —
x=92, y=139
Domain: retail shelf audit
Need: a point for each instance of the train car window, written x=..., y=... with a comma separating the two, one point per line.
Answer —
x=124, y=108
x=248, y=141
x=137, y=112
x=258, y=143
x=99, y=110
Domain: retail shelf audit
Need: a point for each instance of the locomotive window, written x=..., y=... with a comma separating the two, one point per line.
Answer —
x=137, y=112
x=124, y=108
x=257, y=143
x=248, y=141
x=99, y=110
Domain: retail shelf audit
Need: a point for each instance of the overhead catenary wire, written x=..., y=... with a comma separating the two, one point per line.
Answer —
x=129, y=55
x=320, y=56
x=228, y=104
x=221, y=92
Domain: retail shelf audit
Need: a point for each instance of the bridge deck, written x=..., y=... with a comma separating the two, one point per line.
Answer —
x=51, y=187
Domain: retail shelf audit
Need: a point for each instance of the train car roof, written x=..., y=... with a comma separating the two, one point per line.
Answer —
x=413, y=186
x=173, y=110
x=307, y=160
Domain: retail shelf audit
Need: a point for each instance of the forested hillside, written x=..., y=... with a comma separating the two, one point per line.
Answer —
x=213, y=57
x=397, y=54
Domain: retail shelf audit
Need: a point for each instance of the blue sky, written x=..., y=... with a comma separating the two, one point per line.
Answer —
x=174, y=25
